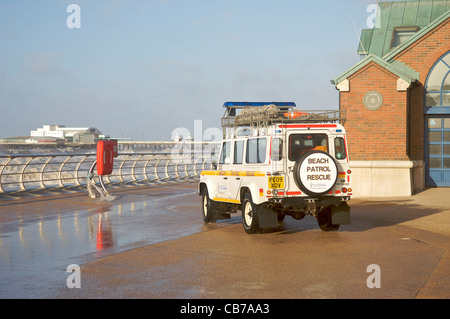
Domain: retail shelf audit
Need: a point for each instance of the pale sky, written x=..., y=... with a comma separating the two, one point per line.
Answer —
x=141, y=69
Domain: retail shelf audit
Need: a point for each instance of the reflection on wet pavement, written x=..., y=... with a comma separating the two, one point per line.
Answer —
x=35, y=253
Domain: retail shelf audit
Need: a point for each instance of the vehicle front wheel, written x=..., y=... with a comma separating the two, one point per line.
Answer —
x=207, y=208
x=249, y=215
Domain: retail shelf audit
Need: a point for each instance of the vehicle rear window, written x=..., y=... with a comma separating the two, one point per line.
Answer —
x=299, y=144
x=339, y=148
x=277, y=149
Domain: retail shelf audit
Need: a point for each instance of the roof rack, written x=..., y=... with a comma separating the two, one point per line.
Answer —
x=263, y=114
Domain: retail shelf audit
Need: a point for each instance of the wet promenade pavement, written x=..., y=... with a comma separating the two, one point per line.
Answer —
x=150, y=242
x=40, y=235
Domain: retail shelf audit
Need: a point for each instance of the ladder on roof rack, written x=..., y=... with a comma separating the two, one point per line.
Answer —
x=263, y=114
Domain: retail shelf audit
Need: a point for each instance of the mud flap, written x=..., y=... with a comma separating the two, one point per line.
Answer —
x=267, y=218
x=340, y=215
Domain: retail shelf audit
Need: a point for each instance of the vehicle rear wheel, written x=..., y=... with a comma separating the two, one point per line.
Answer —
x=249, y=215
x=207, y=207
x=324, y=220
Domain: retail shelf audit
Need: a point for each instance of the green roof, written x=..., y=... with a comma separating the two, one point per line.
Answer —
x=424, y=14
x=394, y=14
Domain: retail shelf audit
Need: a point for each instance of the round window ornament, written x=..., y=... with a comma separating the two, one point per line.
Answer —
x=373, y=100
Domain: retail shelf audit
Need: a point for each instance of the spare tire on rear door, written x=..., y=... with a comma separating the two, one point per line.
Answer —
x=315, y=173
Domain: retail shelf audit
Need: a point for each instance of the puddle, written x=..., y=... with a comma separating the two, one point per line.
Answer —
x=35, y=253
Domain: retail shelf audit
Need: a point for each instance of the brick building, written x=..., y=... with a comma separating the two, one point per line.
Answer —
x=397, y=100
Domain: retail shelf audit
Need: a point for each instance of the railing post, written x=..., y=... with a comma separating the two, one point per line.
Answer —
x=77, y=169
x=120, y=168
x=22, y=185
x=134, y=165
x=1, y=171
x=156, y=168
x=61, y=183
x=42, y=171
x=145, y=167
x=167, y=168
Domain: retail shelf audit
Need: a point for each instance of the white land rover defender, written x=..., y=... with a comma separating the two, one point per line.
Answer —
x=277, y=161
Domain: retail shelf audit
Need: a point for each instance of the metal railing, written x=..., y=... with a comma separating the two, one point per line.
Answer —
x=50, y=171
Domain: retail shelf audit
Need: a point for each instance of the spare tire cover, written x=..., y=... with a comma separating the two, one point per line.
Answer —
x=315, y=173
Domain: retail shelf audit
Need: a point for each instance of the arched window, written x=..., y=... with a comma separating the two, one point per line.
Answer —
x=437, y=87
x=437, y=128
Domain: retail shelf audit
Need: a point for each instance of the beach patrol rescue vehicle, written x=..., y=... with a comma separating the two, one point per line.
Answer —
x=277, y=161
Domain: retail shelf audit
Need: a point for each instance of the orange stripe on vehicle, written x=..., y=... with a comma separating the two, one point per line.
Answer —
x=289, y=193
x=307, y=125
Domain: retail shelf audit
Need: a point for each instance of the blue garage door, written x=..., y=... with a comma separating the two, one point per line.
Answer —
x=438, y=161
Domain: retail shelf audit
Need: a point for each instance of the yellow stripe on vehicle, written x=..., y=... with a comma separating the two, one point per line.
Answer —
x=233, y=173
x=203, y=173
x=234, y=201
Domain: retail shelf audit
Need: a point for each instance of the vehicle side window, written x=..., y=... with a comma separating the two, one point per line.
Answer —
x=256, y=150
x=277, y=149
x=225, y=156
x=299, y=144
x=238, y=152
x=339, y=148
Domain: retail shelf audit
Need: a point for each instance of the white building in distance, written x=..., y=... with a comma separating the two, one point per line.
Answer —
x=71, y=134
